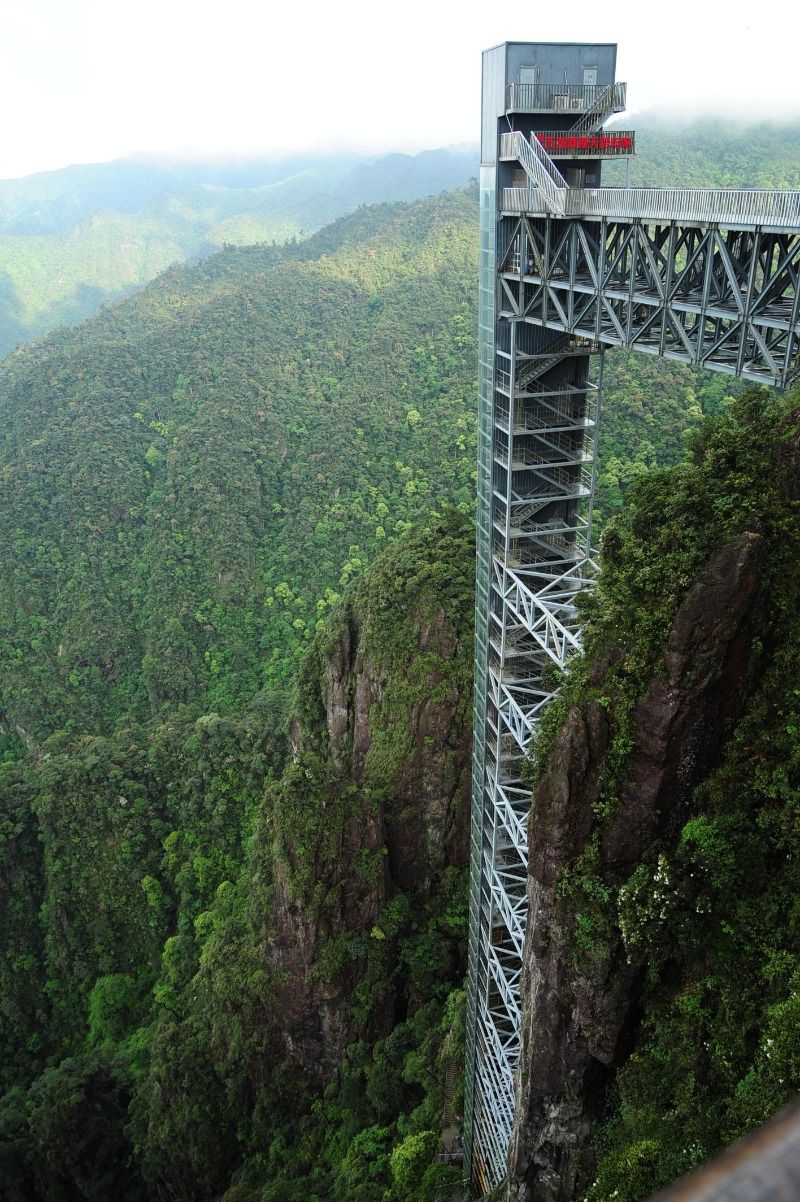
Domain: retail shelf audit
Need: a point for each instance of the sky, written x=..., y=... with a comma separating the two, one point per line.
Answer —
x=93, y=80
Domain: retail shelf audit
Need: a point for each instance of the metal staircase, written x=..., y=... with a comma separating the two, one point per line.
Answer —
x=598, y=112
x=542, y=173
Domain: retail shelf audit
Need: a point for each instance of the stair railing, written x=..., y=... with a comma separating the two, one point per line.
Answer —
x=598, y=112
x=542, y=173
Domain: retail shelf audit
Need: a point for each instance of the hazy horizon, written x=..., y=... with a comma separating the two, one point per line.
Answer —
x=92, y=83
x=227, y=158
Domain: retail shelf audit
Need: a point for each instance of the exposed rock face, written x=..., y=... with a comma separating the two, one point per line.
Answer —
x=387, y=765
x=580, y=1011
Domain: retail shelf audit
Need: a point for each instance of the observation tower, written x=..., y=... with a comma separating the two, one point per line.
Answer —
x=567, y=269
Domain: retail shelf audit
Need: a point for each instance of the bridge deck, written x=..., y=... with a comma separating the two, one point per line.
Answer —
x=723, y=298
x=547, y=194
x=774, y=211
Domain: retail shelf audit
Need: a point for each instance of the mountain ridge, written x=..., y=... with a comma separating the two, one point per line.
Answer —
x=102, y=236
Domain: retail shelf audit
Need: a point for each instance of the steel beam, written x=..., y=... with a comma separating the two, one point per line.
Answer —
x=724, y=299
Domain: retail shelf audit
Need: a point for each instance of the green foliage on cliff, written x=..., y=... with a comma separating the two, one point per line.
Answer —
x=711, y=909
x=109, y=846
x=228, y=971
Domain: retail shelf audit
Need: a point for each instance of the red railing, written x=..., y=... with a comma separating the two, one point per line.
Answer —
x=586, y=145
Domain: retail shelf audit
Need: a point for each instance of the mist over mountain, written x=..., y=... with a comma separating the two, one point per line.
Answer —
x=50, y=202
x=679, y=151
x=73, y=239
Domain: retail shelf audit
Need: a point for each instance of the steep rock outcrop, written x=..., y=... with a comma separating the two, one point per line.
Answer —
x=664, y=845
x=580, y=1007
x=375, y=804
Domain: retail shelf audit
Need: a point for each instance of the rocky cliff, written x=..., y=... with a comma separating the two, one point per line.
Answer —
x=636, y=807
x=325, y=971
x=374, y=806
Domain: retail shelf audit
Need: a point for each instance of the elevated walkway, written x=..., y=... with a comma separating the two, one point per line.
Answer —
x=708, y=277
x=772, y=211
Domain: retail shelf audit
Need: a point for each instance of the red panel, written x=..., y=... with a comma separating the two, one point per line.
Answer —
x=585, y=142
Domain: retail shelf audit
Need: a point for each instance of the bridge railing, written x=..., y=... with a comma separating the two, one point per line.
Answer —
x=754, y=209
x=720, y=206
x=598, y=111
x=737, y=207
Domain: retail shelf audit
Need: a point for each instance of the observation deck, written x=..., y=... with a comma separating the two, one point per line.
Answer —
x=573, y=98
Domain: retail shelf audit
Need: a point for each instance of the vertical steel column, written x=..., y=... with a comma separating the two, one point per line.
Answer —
x=487, y=285
x=538, y=417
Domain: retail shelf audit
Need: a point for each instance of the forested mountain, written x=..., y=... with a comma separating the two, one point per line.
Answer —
x=74, y=238
x=678, y=152
x=188, y=480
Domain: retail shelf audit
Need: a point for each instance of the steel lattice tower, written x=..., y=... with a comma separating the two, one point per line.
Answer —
x=568, y=268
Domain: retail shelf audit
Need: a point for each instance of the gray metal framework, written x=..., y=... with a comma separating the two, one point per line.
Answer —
x=705, y=277
x=724, y=298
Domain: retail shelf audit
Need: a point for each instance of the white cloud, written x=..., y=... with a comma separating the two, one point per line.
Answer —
x=87, y=80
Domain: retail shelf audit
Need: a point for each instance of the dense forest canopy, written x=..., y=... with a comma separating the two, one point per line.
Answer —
x=189, y=480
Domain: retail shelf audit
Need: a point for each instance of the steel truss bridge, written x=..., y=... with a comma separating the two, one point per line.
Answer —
x=705, y=277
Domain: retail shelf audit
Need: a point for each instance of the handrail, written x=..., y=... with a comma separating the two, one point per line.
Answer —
x=531, y=369
x=597, y=113
x=528, y=153
x=507, y=145
x=562, y=97
x=720, y=206
x=707, y=206
x=515, y=200
x=542, y=172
